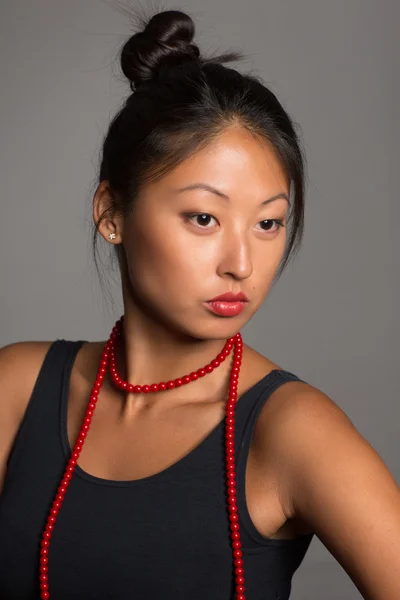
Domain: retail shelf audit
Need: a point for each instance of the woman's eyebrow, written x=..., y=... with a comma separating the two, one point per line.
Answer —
x=210, y=188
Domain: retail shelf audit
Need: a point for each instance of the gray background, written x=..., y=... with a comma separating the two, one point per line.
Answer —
x=332, y=317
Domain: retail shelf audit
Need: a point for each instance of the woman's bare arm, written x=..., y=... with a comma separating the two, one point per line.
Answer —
x=334, y=480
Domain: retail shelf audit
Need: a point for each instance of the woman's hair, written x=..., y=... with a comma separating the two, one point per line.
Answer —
x=180, y=102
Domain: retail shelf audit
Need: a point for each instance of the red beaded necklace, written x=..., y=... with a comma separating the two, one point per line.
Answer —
x=108, y=360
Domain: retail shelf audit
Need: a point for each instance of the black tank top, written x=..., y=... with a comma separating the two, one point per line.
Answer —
x=165, y=536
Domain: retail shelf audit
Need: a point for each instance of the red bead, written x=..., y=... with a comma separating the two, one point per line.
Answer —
x=201, y=372
x=193, y=376
x=170, y=384
x=145, y=389
x=209, y=368
x=178, y=382
x=137, y=389
x=154, y=387
x=162, y=386
x=186, y=379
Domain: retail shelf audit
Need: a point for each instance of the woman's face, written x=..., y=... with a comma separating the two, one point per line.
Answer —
x=177, y=261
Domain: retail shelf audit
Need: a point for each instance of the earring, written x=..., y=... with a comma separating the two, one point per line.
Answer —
x=111, y=236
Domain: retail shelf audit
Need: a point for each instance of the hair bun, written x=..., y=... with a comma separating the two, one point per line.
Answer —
x=166, y=40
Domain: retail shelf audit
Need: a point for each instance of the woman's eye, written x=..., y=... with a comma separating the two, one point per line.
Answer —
x=266, y=224
x=203, y=219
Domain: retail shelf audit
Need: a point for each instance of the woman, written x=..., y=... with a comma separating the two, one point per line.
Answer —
x=172, y=460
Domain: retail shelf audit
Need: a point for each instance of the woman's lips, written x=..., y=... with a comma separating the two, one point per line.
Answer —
x=224, y=308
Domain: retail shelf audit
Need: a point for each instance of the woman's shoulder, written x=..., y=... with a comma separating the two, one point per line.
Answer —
x=20, y=363
x=292, y=402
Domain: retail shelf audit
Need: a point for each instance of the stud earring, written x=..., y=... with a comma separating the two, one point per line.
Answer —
x=111, y=236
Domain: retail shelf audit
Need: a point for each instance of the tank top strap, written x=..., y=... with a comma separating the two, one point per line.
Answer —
x=40, y=425
x=245, y=424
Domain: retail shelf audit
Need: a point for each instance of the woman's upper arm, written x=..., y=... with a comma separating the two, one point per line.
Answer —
x=336, y=482
x=20, y=364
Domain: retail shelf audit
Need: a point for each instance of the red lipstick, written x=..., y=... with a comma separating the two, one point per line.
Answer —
x=227, y=305
x=230, y=297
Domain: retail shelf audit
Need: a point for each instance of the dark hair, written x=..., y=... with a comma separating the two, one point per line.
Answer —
x=180, y=102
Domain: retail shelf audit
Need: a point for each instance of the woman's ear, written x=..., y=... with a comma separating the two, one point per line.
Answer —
x=108, y=224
